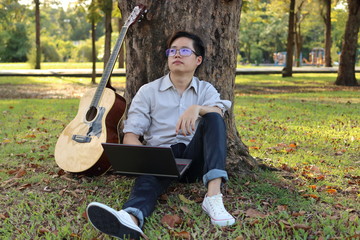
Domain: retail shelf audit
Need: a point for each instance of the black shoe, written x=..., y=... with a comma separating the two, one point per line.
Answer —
x=115, y=223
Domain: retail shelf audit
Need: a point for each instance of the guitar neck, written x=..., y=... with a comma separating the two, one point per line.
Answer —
x=109, y=67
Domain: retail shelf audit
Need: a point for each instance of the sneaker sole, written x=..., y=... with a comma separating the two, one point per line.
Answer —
x=221, y=223
x=104, y=219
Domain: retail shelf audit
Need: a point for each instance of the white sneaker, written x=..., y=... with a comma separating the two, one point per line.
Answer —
x=115, y=223
x=214, y=207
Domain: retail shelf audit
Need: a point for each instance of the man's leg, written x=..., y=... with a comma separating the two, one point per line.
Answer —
x=144, y=196
x=208, y=151
x=127, y=223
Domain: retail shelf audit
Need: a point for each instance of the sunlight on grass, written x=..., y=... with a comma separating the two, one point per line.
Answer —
x=299, y=79
x=306, y=128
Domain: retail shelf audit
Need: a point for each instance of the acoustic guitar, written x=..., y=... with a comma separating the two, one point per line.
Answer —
x=79, y=149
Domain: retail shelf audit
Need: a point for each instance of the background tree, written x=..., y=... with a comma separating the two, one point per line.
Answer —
x=287, y=71
x=107, y=6
x=298, y=37
x=14, y=34
x=94, y=17
x=346, y=72
x=217, y=22
x=37, y=38
x=325, y=12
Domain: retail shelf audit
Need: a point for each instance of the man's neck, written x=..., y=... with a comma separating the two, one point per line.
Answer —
x=181, y=81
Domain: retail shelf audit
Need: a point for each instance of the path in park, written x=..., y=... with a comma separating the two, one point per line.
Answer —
x=122, y=72
x=68, y=90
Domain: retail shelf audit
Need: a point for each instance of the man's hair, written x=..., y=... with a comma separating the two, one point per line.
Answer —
x=197, y=42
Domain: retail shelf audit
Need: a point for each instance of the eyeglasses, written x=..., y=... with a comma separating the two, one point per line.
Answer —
x=184, y=52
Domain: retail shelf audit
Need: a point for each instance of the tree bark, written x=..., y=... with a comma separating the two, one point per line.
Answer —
x=93, y=51
x=326, y=15
x=121, y=59
x=287, y=71
x=346, y=72
x=216, y=22
x=37, y=37
x=107, y=6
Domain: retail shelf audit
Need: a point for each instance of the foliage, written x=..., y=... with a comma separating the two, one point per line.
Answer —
x=14, y=44
x=263, y=29
x=304, y=126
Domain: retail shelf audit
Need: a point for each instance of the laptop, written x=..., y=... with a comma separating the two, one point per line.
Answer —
x=145, y=160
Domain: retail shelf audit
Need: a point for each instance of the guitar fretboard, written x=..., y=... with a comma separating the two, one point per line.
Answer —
x=109, y=68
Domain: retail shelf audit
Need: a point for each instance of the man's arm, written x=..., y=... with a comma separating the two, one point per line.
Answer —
x=186, y=122
x=132, y=139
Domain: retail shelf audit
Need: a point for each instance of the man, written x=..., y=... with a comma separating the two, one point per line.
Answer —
x=180, y=111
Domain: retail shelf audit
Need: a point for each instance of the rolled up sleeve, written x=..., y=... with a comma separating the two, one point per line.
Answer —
x=212, y=98
x=138, y=120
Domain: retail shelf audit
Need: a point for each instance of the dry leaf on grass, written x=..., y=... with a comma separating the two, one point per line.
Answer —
x=171, y=220
x=253, y=213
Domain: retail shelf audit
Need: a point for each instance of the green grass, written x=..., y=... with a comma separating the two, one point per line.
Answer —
x=304, y=126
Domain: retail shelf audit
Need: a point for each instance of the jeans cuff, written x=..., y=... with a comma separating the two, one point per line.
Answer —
x=215, y=173
x=137, y=213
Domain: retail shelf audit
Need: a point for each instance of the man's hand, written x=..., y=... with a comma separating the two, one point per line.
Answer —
x=186, y=122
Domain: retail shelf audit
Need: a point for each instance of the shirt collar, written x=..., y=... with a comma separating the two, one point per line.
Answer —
x=166, y=83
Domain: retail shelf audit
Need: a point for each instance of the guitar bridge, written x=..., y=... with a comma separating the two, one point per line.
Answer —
x=81, y=139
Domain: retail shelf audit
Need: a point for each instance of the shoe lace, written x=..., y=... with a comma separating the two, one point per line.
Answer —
x=217, y=205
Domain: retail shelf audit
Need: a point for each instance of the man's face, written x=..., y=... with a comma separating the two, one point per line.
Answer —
x=183, y=64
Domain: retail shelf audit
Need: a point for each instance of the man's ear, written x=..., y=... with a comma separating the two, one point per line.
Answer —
x=199, y=60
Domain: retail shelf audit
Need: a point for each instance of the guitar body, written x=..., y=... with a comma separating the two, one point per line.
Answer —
x=79, y=148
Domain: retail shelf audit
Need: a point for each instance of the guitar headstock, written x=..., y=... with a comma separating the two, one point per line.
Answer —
x=137, y=13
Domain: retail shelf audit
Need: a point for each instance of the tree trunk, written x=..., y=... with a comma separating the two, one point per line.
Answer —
x=297, y=38
x=216, y=22
x=122, y=52
x=287, y=71
x=93, y=51
x=346, y=72
x=327, y=19
x=37, y=38
x=107, y=9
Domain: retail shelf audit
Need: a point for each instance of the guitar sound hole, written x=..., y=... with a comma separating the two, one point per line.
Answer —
x=91, y=114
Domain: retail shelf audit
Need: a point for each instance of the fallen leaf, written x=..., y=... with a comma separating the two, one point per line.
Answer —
x=30, y=136
x=4, y=216
x=292, y=145
x=43, y=230
x=171, y=220
x=185, y=200
x=254, y=147
x=302, y=226
x=20, y=173
x=185, y=209
x=181, y=235
x=285, y=223
x=298, y=214
x=282, y=208
x=311, y=196
x=253, y=213
x=22, y=187
x=331, y=191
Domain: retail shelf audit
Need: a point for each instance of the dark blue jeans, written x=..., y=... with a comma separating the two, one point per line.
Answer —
x=207, y=149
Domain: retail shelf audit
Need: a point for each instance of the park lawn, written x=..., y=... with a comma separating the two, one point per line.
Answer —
x=303, y=126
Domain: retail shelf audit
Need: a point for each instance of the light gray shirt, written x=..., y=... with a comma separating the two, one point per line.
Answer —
x=157, y=106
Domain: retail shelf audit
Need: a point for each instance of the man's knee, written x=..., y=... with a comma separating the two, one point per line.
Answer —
x=213, y=118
